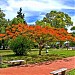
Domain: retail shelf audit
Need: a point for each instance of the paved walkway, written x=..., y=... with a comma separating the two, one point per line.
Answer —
x=43, y=69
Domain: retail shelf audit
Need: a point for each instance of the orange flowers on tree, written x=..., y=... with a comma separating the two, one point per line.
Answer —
x=1, y=36
x=38, y=34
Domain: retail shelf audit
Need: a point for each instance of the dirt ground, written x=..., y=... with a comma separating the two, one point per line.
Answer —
x=39, y=69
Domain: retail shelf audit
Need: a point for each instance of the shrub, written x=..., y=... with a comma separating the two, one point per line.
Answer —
x=3, y=65
x=21, y=45
x=72, y=44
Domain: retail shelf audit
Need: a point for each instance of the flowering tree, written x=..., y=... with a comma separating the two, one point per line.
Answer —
x=35, y=33
x=1, y=36
x=38, y=34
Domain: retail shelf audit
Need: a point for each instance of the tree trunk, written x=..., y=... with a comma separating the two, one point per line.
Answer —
x=40, y=51
x=40, y=47
x=3, y=45
x=67, y=48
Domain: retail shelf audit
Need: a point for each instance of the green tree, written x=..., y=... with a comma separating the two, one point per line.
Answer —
x=73, y=28
x=42, y=23
x=3, y=22
x=17, y=20
x=58, y=19
x=73, y=31
x=21, y=15
x=2, y=15
x=72, y=43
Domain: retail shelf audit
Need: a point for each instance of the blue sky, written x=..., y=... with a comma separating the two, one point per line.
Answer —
x=36, y=9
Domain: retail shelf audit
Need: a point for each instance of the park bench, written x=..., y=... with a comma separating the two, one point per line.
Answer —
x=61, y=71
x=72, y=48
x=16, y=62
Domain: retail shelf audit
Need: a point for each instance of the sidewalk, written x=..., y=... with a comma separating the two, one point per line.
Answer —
x=43, y=69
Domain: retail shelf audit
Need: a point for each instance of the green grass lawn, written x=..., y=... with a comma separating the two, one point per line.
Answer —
x=72, y=72
x=33, y=56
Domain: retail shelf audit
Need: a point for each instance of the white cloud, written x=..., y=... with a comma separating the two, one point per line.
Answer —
x=36, y=5
x=9, y=8
x=33, y=5
x=10, y=14
x=73, y=19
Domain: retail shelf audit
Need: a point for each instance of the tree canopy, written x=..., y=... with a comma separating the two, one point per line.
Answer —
x=20, y=14
x=73, y=28
x=19, y=18
x=38, y=34
x=58, y=19
x=3, y=22
x=2, y=18
x=42, y=23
